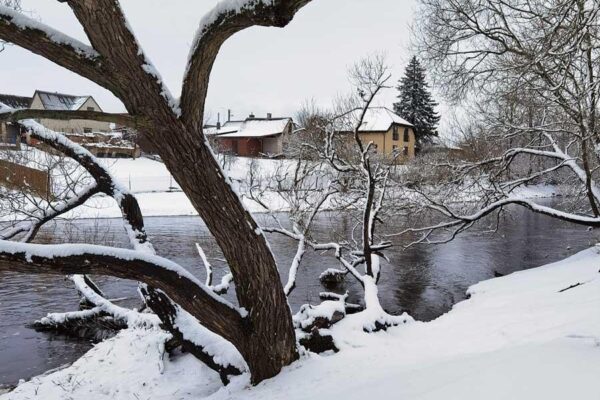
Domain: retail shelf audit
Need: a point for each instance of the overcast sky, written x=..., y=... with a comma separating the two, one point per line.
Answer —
x=258, y=70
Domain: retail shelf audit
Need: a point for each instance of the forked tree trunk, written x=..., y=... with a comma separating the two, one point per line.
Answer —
x=115, y=61
x=270, y=341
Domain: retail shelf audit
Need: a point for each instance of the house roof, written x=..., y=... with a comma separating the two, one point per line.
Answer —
x=61, y=101
x=379, y=119
x=227, y=127
x=254, y=127
x=15, y=102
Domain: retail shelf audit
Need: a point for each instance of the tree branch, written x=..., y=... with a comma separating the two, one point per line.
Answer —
x=31, y=227
x=53, y=45
x=121, y=119
x=215, y=28
x=212, y=311
x=111, y=36
x=170, y=314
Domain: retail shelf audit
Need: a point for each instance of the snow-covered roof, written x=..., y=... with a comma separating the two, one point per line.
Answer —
x=227, y=127
x=14, y=102
x=232, y=124
x=61, y=101
x=258, y=128
x=379, y=119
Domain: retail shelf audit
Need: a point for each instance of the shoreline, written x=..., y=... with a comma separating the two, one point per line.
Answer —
x=515, y=327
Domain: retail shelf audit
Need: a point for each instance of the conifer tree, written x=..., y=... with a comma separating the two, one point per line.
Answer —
x=416, y=104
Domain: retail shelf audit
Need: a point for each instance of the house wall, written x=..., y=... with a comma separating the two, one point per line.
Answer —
x=249, y=147
x=272, y=145
x=390, y=143
x=378, y=139
x=242, y=147
x=72, y=126
x=10, y=135
x=385, y=141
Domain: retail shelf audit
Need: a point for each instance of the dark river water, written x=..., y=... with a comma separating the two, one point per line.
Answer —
x=425, y=280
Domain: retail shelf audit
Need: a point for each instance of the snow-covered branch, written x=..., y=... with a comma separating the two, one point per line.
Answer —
x=210, y=348
x=70, y=53
x=225, y=19
x=182, y=287
x=39, y=217
x=226, y=280
x=121, y=119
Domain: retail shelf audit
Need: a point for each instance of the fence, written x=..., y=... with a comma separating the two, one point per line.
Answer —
x=19, y=177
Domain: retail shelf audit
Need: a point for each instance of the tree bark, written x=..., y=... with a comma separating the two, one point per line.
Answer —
x=271, y=342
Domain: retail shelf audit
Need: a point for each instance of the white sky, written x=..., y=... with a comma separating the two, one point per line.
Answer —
x=259, y=70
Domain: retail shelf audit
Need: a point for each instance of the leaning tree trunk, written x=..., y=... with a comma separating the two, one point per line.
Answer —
x=270, y=340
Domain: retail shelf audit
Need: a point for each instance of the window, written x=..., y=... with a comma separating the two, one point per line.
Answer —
x=87, y=130
x=395, y=135
x=405, y=151
x=90, y=108
x=395, y=147
x=406, y=135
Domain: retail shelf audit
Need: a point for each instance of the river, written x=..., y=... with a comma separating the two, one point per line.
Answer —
x=425, y=280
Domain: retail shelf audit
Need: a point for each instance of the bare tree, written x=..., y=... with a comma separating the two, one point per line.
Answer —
x=260, y=328
x=529, y=71
x=355, y=179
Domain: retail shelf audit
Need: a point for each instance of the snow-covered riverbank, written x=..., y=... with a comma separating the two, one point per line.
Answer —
x=534, y=334
x=159, y=195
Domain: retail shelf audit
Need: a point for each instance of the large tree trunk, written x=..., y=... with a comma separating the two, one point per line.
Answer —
x=270, y=342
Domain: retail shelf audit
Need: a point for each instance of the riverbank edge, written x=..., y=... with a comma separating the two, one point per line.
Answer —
x=528, y=335
x=176, y=204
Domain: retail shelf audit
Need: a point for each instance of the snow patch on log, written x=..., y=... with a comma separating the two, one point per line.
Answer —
x=222, y=351
x=322, y=315
x=132, y=318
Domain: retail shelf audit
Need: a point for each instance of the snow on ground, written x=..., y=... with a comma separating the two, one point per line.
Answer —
x=141, y=175
x=529, y=335
x=133, y=365
x=159, y=194
x=146, y=175
x=539, y=191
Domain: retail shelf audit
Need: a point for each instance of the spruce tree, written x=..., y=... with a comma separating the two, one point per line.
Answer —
x=415, y=103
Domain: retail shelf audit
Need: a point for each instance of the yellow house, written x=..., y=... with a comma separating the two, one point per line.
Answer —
x=390, y=134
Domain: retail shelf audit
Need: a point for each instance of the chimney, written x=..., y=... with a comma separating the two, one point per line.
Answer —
x=218, y=125
x=269, y=115
x=229, y=114
x=252, y=116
